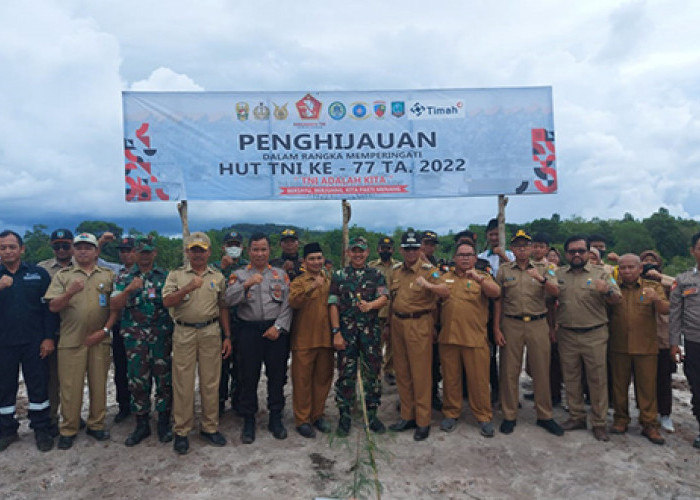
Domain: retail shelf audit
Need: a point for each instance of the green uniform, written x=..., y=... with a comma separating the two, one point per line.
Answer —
x=147, y=329
x=361, y=333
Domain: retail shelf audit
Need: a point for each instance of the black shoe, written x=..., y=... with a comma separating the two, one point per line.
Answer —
x=53, y=430
x=403, y=425
x=181, y=445
x=421, y=433
x=248, y=432
x=551, y=426
x=322, y=425
x=507, y=426
x=306, y=430
x=275, y=425
x=65, y=442
x=390, y=378
x=142, y=431
x=44, y=441
x=100, y=435
x=530, y=396
x=83, y=424
x=377, y=426
x=213, y=438
x=343, y=425
x=122, y=415
x=436, y=403
x=6, y=441
x=165, y=430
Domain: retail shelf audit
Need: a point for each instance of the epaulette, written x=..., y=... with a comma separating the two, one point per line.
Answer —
x=397, y=265
x=425, y=265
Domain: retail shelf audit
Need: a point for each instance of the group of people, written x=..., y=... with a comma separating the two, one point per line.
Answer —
x=411, y=323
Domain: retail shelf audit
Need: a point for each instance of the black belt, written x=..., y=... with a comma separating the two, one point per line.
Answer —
x=527, y=319
x=201, y=324
x=584, y=330
x=412, y=315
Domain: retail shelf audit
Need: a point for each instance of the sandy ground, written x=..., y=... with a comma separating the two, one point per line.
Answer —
x=526, y=464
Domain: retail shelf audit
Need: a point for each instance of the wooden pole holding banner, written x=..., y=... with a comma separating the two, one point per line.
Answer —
x=502, y=202
x=182, y=210
x=347, y=213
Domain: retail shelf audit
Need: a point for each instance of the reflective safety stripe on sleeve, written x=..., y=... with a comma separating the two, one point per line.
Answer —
x=39, y=406
x=7, y=410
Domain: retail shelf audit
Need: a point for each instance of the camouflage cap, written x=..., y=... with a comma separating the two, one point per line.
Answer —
x=144, y=244
x=358, y=242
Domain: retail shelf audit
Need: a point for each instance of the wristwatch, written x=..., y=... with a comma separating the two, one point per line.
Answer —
x=335, y=330
x=107, y=331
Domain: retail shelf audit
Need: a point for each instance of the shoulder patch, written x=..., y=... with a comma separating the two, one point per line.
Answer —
x=232, y=279
x=675, y=285
x=425, y=265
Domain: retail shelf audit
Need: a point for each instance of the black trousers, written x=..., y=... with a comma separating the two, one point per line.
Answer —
x=36, y=378
x=253, y=351
x=664, y=368
x=229, y=370
x=691, y=367
x=120, y=380
x=555, y=376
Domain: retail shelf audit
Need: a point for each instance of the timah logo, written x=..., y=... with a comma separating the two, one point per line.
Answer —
x=427, y=111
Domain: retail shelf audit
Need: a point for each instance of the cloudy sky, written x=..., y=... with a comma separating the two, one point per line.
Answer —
x=625, y=78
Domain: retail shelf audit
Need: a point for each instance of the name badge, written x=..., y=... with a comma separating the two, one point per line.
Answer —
x=103, y=300
x=690, y=291
x=151, y=293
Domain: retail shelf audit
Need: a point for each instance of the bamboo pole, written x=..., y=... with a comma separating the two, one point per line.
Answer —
x=182, y=210
x=347, y=213
x=502, y=202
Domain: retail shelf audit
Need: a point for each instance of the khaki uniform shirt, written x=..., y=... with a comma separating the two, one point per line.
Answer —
x=633, y=321
x=386, y=271
x=88, y=310
x=465, y=313
x=52, y=266
x=266, y=301
x=406, y=296
x=580, y=303
x=311, y=326
x=202, y=304
x=521, y=294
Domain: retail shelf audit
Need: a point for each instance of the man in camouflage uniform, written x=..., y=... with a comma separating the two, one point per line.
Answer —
x=357, y=293
x=147, y=330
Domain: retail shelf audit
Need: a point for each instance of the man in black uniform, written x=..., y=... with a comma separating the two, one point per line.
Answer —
x=289, y=261
x=27, y=331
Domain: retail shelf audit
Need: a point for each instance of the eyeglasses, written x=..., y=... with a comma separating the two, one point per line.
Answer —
x=61, y=246
x=465, y=255
x=579, y=251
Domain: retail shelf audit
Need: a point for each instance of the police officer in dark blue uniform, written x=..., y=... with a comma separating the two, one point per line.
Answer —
x=27, y=330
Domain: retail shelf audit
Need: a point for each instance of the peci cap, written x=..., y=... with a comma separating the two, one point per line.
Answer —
x=520, y=234
x=358, y=242
x=430, y=236
x=86, y=238
x=410, y=239
x=126, y=242
x=144, y=244
x=312, y=248
x=233, y=236
x=198, y=239
x=465, y=235
x=288, y=233
x=62, y=235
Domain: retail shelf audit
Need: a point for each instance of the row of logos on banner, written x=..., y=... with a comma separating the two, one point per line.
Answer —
x=312, y=109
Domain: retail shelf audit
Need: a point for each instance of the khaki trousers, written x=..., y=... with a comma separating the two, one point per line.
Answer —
x=644, y=366
x=590, y=350
x=475, y=362
x=412, y=341
x=73, y=364
x=534, y=335
x=201, y=347
x=54, y=395
x=312, y=375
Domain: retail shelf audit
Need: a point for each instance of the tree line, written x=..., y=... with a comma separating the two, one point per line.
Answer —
x=668, y=235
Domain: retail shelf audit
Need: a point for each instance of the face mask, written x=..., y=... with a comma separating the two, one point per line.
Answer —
x=234, y=252
x=385, y=255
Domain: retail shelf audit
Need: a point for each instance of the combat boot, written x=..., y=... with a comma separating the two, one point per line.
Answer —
x=248, y=432
x=165, y=430
x=275, y=425
x=142, y=431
